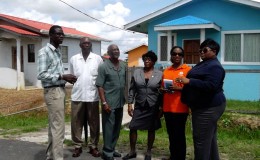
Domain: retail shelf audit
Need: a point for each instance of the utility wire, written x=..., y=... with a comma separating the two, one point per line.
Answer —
x=94, y=17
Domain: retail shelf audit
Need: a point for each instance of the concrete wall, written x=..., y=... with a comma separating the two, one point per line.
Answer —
x=30, y=68
x=9, y=78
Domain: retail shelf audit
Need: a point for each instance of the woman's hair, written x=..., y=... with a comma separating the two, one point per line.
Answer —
x=211, y=44
x=174, y=47
x=151, y=55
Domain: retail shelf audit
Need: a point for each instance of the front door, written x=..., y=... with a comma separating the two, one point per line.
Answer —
x=191, y=49
x=14, y=58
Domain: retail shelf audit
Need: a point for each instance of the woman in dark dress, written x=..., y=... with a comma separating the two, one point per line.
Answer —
x=144, y=90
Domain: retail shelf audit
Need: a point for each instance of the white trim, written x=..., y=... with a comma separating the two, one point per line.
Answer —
x=168, y=48
x=177, y=4
x=222, y=50
x=202, y=35
x=193, y=26
x=241, y=31
x=248, y=2
x=156, y=13
x=169, y=43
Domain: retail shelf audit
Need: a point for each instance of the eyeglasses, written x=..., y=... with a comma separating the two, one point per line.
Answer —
x=175, y=54
x=204, y=50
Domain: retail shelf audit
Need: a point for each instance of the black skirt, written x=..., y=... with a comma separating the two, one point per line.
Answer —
x=145, y=118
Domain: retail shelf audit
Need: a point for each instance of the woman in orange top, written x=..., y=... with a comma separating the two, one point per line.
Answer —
x=175, y=112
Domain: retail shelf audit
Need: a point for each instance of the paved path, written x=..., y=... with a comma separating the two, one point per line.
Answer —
x=42, y=136
x=32, y=146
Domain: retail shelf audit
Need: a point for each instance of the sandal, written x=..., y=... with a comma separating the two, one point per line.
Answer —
x=129, y=156
x=94, y=152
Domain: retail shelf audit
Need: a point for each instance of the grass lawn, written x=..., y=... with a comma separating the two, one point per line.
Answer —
x=238, y=134
x=236, y=140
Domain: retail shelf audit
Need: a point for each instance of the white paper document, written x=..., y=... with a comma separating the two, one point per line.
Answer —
x=167, y=83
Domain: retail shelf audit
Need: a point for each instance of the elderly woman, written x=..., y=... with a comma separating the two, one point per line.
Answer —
x=144, y=90
x=203, y=93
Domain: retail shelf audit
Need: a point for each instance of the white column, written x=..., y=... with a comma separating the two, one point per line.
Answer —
x=18, y=62
x=202, y=35
x=169, y=44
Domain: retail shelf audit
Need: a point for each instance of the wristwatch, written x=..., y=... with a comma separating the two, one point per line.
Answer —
x=104, y=103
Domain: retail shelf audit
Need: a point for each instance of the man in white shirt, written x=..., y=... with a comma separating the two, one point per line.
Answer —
x=85, y=99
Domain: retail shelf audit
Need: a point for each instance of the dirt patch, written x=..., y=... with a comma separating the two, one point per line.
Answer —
x=12, y=101
x=253, y=122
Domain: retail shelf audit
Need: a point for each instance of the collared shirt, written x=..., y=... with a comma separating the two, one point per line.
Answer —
x=172, y=101
x=84, y=89
x=113, y=82
x=50, y=66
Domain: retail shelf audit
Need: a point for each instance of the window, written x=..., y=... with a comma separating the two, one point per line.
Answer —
x=163, y=49
x=64, y=52
x=242, y=47
x=31, y=53
x=163, y=45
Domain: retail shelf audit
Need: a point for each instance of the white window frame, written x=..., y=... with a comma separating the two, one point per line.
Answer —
x=169, y=46
x=222, y=50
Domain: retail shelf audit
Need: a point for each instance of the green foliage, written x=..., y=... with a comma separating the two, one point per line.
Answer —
x=238, y=134
x=25, y=122
x=243, y=105
x=237, y=138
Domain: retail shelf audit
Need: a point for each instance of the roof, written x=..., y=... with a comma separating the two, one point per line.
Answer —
x=141, y=24
x=187, y=22
x=126, y=52
x=18, y=30
x=35, y=28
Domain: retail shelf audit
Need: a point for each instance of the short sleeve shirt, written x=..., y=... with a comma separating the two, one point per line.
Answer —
x=113, y=82
x=172, y=101
x=85, y=90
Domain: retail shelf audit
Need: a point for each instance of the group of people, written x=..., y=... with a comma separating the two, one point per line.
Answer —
x=197, y=90
x=93, y=80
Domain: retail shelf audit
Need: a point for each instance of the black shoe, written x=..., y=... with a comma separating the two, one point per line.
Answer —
x=147, y=157
x=77, y=152
x=106, y=158
x=116, y=154
x=128, y=156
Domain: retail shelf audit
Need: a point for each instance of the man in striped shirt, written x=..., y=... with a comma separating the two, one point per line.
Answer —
x=50, y=72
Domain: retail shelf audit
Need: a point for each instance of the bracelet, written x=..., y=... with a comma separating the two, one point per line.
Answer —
x=104, y=103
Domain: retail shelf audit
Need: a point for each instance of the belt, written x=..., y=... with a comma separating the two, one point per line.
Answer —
x=61, y=85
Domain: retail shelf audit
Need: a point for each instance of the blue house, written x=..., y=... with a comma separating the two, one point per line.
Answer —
x=234, y=24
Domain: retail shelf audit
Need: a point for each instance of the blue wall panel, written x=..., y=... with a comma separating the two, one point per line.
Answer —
x=230, y=16
x=244, y=86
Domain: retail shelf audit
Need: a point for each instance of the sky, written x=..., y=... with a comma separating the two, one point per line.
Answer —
x=114, y=12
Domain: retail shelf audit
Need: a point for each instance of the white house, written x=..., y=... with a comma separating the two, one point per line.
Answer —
x=20, y=40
